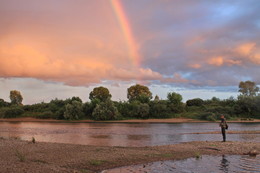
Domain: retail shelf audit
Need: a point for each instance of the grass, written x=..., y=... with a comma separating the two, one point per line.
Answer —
x=85, y=171
x=20, y=155
x=97, y=162
x=198, y=155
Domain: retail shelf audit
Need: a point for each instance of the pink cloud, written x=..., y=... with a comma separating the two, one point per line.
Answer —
x=216, y=61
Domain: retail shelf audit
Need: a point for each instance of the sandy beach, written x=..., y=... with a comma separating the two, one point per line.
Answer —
x=25, y=156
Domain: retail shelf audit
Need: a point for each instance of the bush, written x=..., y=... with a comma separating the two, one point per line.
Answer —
x=143, y=110
x=159, y=109
x=11, y=112
x=46, y=115
x=208, y=116
x=73, y=111
x=179, y=108
x=105, y=111
x=195, y=102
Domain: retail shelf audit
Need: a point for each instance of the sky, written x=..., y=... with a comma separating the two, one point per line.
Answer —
x=63, y=48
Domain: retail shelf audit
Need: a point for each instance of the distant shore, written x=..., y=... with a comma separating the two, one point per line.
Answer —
x=169, y=120
x=25, y=156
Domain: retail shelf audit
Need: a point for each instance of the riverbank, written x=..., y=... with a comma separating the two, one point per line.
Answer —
x=23, y=156
x=169, y=120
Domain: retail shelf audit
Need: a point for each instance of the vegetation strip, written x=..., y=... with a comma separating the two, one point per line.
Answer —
x=140, y=105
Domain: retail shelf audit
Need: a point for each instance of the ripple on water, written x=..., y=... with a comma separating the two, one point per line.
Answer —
x=206, y=164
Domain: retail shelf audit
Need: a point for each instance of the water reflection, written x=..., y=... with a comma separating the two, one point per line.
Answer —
x=222, y=164
x=123, y=134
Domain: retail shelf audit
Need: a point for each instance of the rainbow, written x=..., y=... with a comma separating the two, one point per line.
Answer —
x=127, y=32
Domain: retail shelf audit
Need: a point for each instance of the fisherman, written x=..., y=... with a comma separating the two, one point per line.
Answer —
x=224, y=126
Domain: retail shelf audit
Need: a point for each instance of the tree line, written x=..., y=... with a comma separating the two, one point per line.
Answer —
x=140, y=104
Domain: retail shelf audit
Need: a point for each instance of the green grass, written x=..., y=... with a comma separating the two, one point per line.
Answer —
x=85, y=171
x=20, y=155
x=97, y=162
x=198, y=155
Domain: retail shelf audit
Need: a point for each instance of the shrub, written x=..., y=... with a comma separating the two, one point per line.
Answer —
x=159, y=109
x=73, y=111
x=12, y=112
x=46, y=115
x=194, y=102
x=208, y=116
x=143, y=110
x=105, y=111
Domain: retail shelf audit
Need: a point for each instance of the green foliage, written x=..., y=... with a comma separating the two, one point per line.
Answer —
x=11, y=112
x=248, y=106
x=39, y=107
x=73, y=111
x=142, y=110
x=3, y=103
x=195, y=102
x=97, y=162
x=174, y=98
x=100, y=93
x=16, y=97
x=140, y=105
x=159, y=109
x=139, y=93
x=88, y=109
x=105, y=111
x=134, y=109
x=20, y=155
x=156, y=98
x=179, y=108
x=46, y=115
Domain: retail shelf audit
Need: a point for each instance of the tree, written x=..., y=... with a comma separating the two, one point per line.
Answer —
x=174, y=98
x=3, y=103
x=16, y=97
x=100, y=93
x=73, y=110
x=156, y=98
x=158, y=109
x=105, y=111
x=175, y=102
x=139, y=92
x=248, y=88
x=194, y=102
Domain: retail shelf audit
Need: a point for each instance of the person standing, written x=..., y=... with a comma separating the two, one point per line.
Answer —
x=224, y=126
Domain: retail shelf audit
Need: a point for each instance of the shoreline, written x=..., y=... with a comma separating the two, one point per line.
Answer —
x=26, y=156
x=169, y=120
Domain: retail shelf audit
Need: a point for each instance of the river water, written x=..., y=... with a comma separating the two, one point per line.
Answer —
x=123, y=134
x=205, y=164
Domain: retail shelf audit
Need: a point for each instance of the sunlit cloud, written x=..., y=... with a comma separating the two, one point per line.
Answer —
x=246, y=49
x=174, y=43
x=217, y=61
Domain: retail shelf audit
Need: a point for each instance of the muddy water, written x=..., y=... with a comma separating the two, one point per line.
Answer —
x=205, y=164
x=123, y=134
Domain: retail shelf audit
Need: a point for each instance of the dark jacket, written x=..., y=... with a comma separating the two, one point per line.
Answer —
x=223, y=123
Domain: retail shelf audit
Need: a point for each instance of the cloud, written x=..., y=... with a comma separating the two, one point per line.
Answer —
x=80, y=43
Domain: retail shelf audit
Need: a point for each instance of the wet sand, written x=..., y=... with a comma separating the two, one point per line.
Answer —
x=25, y=156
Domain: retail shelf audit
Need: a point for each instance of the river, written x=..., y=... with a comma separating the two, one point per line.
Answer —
x=124, y=134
